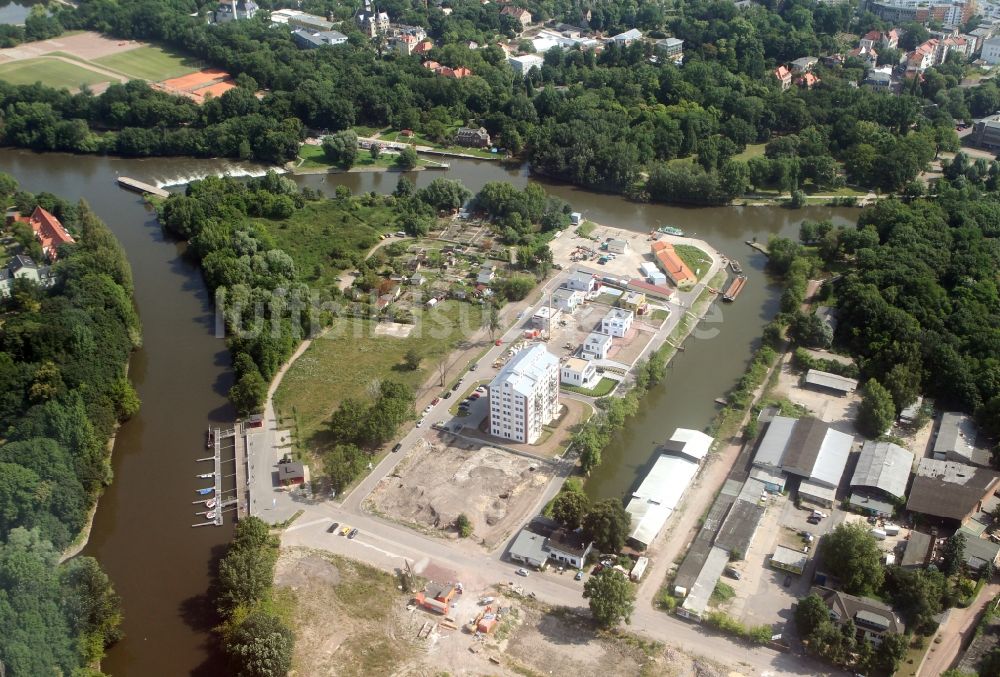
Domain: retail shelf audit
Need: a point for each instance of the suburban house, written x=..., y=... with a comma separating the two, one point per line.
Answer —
x=405, y=44
x=979, y=551
x=597, y=346
x=578, y=372
x=880, y=478
x=581, y=281
x=370, y=21
x=472, y=137
x=423, y=47
x=807, y=80
x=418, y=280
x=873, y=39
x=616, y=246
x=866, y=55
x=627, y=38
x=523, y=64
x=952, y=492
x=809, y=449
x=633, y=301
x=956, y=439
x=235, y=11
x=307, y=39
x=804, y=64
x=882, y=80
x=669, y=48
x=873, y=619
x=544, y=316
x=48, y=231
x=519, y=13
x=670, y=263
x=784, y=77
x=544, y=540
x=617, y=322
x=922, y=58
x=567, y=300
x=24, y=268
x=524, y=396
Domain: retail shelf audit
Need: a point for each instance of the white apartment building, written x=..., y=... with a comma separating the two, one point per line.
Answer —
x=524, y=396
x=617, y=322
x=991, y=51
x=597, y=346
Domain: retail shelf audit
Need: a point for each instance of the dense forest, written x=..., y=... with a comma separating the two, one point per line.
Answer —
x=63, y=356
x=610, y=121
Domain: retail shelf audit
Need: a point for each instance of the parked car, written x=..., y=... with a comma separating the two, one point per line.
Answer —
x=420, y=422
x=787, y=582
x=399, y=445
x=473, y=366
x=345, y=530
x=474, y=396
x=435, y=401
x=428, y=408
x=447, y=395
x=579, y=576
x=812, y=519
x=333, y=527
x=733, y=573
x=522, y=572
x=353, y=533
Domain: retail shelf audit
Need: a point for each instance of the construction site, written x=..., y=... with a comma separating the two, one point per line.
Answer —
x=444, y=476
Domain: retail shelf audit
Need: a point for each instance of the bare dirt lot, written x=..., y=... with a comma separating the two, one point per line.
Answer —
x=87, y=45
x=351, y=619
x=440, y=480
x=839, y=411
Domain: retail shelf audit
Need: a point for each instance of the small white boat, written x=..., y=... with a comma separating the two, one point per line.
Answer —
x=210, y=503
x=210, y=515
x=206, y=475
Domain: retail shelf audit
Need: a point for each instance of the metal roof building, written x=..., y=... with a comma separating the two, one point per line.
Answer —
x=771, y=450
x=789, y=560
x=701, y=592
x=884, y=466
x=658, y=495
x=956, y=441
x=691, y=443
x=817, y=452
x=824, y=379
x=950, y=490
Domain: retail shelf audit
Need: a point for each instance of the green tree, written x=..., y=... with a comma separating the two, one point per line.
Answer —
x=953, y=554
x=375, y=151
x=570, y=507
x=810, y=613
x=407, y=158
x=464, y=525
x=249, y=392
x=493, y=321
x=612, y=597
x=851, y=553
x=260, y=645
x=412, y=359
x=877, y=410
x=341, y=148
x=607, y=525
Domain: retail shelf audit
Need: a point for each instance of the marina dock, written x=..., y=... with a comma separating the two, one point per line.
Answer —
x=228, y=446
x=735, y=288
x=140, y=187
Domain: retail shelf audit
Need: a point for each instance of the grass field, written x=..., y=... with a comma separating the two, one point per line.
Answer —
x=603, y=388
x=150, y=63
x=343, y=363
x=696, y=259
x=314, y=159
x=753, y=150
x=324, y=237
x=52, y=72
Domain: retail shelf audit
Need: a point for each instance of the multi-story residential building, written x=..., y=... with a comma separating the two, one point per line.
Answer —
x=617, y=322
x=524, y=396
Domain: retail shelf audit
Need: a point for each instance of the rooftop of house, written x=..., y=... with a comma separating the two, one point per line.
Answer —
x=957, y=436
x=598, y=337
x=949, y=490
x=864, y=611
x=577, y=364
x=885, y=466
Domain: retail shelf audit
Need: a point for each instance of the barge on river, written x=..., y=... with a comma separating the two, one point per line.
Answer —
x=735, y=288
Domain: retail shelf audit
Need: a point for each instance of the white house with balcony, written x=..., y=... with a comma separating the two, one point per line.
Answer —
x=578, y=372
x=617, y=322
x=596, y=346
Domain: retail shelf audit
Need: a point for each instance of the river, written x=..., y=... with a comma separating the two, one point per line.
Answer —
x=142, y=534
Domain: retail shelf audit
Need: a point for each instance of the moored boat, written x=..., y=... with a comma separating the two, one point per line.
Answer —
x=735, y=265
x=205, y=491
x=671, y=230
x=206, y=475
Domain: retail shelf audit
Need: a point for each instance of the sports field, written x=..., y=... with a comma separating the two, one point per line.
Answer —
x=50, y=71
x=150, y=63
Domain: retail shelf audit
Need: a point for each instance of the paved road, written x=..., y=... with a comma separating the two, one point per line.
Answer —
x=959, y=627
x=392, y=547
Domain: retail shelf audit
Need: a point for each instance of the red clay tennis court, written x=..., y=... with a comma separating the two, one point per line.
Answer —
x=197, y=85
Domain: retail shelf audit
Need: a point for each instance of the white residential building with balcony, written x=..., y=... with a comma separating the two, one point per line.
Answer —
x=524, y=396
x=617, y=322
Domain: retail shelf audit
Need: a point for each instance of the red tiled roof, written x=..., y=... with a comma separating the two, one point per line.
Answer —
x=49, y=231
x=672, y=264
x=782, y=73
x=872, y=36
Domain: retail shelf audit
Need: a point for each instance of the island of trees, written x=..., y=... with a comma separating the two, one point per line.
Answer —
x=63, y=356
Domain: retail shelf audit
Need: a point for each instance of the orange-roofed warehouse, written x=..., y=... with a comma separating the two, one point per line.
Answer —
x=671, y=264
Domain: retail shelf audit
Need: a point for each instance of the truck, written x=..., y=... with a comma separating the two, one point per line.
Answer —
x=878, y=534
x=891, y=529
x=639, y=568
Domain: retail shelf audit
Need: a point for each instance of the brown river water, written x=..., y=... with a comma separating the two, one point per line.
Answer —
x=142, y=532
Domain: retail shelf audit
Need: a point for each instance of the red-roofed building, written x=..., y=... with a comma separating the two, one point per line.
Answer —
x=423, y=47
x=808, y=80
x=462, y=72
x=784, y=77
x=867, y=55
x=432, y=65
x=519, y=13
x=48, y=230
x=671, y=264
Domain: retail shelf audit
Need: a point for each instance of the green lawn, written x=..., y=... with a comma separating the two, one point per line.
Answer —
x=752, y=150
x=603, y=388
x=52, y=72
x=314, y=158
x=350, y=357
x=150, y=63
x=696, y=259
x=325, y=237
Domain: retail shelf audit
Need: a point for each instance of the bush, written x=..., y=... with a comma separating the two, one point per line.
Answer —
x=464, y=525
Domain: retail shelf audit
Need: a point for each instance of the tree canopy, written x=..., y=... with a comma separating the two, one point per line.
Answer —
x=611, y=597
